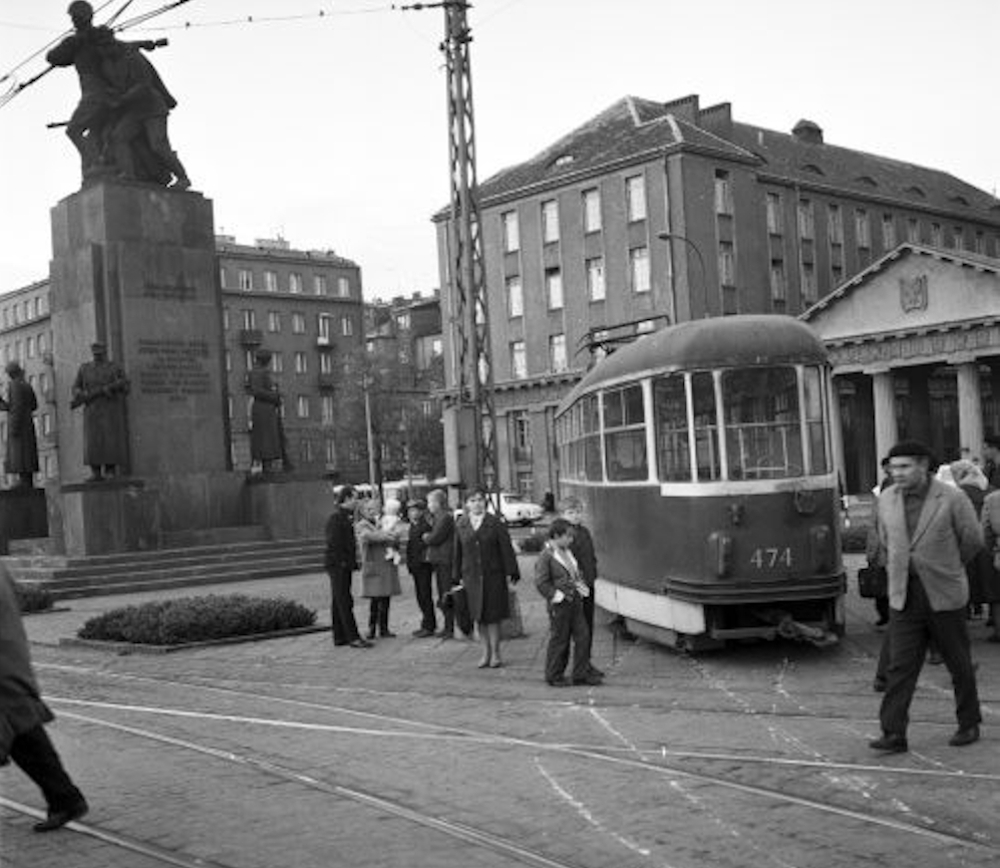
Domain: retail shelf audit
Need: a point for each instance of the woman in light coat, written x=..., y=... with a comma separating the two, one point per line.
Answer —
x=379, y=571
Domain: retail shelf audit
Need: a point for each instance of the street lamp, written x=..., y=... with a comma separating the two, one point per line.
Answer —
x=676, y=236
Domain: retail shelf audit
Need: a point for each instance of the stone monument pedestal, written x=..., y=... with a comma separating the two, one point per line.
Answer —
x=290, y=506
x=23, y=515
x=117, y=515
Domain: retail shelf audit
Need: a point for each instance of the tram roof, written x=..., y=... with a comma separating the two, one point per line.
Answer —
x=717, y=342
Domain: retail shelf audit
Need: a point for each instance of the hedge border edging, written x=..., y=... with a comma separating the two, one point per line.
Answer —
x=124, y=648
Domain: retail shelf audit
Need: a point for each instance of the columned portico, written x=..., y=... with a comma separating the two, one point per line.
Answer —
x=915, y=343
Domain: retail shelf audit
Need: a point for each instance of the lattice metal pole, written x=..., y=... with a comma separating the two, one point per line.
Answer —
x=468, y=285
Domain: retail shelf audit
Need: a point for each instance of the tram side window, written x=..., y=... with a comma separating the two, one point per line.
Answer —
x=763, y=432
x=812, y=381
x=706, y=427
x=673, y=453
x=591, y=444
x=625, y=435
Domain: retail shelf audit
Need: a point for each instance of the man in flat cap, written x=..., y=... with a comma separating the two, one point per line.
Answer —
x=100, y=388
x=22, y=446
x=927, y=532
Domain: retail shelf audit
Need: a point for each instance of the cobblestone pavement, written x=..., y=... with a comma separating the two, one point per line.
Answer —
x=290, y=752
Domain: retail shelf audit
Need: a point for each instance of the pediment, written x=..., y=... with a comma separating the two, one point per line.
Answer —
x=911, y=290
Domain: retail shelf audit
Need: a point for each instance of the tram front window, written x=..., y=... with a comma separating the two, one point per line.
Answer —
x=762, y=423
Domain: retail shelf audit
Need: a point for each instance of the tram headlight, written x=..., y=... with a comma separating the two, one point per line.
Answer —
x=720, y=552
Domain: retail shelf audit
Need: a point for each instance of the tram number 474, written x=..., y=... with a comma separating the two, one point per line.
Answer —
x=768, y=558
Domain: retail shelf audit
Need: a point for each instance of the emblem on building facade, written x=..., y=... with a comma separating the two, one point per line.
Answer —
x=913, y=293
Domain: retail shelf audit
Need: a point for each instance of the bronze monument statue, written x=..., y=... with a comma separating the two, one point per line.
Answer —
x=120, y=124
x=100, y=387
x=22, y=447
x=267, y=435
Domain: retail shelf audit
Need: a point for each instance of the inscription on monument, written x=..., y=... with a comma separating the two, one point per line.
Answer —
x=169, y=292
x=173, y=369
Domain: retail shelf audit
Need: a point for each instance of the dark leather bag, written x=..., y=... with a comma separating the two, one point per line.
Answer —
x=873, y=582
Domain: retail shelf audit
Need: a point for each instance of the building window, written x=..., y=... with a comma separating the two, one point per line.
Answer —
x=980, y=246
x=274, y=321
x=638, y=259
x=554, y=288
x=271, y=281
x=592, y=210
x=836, y=274
x=808, y=282
x=835, y=224
x=277, y=362
x=595, y=278
x=225, y=319
x=550, y=221
x=248, y=359
x=557, y=353
x=249, y=319
x=778, y=290
x=958, y=238
x=518, y=361
x=295, y=283
x=403, y=321
x=43, y=341
x=323, y=327
x=888, y=232
x=521, y=434
x=937, y=236
x=775, y=224
x=913, y=230
x=437, y=347
x=222, y=280
x=346, y=326
x=326, y=409
x=298, y=323
x=343, y=287
x=321, y=285
x=515, y=297
x=723, y=193
x=229, y=361
x=246, y=279
x=326, y=363
x=301, y=363
x=862, y=229
x=302, y=406
x=727, y=263
x=511, y=232
x=29, y=348
x=807, y=220
x=635, y=197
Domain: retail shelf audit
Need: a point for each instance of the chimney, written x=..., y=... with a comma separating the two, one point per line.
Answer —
x=717, y=119
x=686, y=107
x=809, y=132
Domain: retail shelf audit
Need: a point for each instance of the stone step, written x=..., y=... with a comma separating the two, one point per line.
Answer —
x=245, y=573
x=159, y=557
x=215, y=536
x=308, y=560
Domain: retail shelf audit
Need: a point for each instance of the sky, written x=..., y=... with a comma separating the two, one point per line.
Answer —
x=331, y=131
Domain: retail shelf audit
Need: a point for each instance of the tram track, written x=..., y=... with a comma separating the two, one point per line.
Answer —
x=696, y=766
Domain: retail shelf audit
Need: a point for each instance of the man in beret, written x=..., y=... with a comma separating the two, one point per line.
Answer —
x=927, y=532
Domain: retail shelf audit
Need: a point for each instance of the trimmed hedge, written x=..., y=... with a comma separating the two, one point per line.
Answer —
x=196, y=619
x=32, y=598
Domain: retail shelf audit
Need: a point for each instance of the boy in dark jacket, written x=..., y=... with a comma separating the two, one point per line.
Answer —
x=420, y=569
x=582, y=547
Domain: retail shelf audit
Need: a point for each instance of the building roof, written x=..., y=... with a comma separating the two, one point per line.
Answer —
x=634, y=129
x=976, y=261
x=224, y=247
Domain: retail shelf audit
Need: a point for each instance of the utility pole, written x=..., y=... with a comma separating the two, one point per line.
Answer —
x=473, y=418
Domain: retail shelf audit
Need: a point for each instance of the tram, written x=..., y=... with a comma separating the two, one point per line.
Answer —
x=703, y=456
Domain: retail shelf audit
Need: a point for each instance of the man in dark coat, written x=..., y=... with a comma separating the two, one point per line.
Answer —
x=22, y=717
x=22, y=447
x=420, y=569
x=341, y=561
x=100, y=387
x=440, y=540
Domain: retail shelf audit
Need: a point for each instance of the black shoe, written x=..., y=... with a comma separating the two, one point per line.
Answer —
x=422, y=633
x=445, y=634
x=890, y=743
x=965, y=736
x=370, y=634
x=557, y=682
x=593, y=670
x=589, y=679
x=361, y=643
x=387, y=634
x=879, y=685
x=58, y=819
x=881, y=622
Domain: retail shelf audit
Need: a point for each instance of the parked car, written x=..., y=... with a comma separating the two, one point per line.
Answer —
x=516, y=510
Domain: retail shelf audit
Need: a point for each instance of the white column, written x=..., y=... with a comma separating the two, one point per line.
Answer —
x=970, y=407
x=886, y=432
